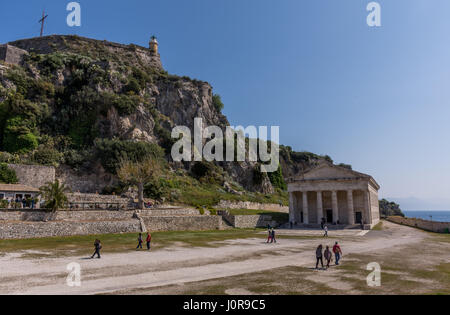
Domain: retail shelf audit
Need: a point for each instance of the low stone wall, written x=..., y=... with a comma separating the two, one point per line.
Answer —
x=25, y=230
x=80, y=197
x=183, y=223
x=253, y=221
x=225, y=204
x=90, y=215
x=248, y=221
x=438, y=227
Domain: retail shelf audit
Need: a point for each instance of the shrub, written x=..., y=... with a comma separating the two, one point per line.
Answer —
x=277, y=180
x=126, y=104
x=110, y=152
x=45, y=155
x=7, y=175
x=19, y=143
x=201, y=169
x=132, y=87
x=217, y=102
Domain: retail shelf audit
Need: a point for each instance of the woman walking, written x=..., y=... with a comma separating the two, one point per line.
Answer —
x=319, y=256
x=327, y=254
x=139, y=241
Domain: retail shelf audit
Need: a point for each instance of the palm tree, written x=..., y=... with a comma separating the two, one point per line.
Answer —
x=54, y=195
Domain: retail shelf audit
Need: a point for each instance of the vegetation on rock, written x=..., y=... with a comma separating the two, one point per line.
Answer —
x=389, y=208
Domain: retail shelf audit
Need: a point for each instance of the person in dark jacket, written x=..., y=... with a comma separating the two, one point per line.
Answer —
x=272, y=234
x=319, y=256
x=139, y=241
x=98, y=247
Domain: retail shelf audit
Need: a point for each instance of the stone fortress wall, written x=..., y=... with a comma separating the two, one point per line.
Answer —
x=11, y=54
x=33, y=175
x=432, y=226
x=225, y=204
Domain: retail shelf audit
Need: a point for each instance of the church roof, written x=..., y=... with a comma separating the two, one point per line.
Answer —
x=329, y=171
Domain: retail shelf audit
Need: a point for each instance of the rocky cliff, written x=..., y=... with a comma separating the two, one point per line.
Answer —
x=81, y=104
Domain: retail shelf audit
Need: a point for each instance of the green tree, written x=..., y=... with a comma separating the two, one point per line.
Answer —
x=139, y=173
x=7, y=175
x=54, y=195
x=217, y=102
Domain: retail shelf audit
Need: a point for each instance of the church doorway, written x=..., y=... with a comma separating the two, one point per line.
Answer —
x=358, y=217
x=329, y=216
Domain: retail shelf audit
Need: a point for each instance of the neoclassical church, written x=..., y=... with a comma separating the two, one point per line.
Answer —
x=335, y=195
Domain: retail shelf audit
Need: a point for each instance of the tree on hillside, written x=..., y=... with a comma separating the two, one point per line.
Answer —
x=54, y=195
x=389, y=208
x=139, y=173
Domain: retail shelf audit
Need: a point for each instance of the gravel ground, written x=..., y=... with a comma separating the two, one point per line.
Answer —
x=178, y=265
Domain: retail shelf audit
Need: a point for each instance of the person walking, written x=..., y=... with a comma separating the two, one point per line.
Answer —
x=139, y=241
x=327, y=254
x=269, y=237
x=272, y=235
x=319, y=256
x=149, y=240
x=325, y=228
x=98, y=247
x=337, y=253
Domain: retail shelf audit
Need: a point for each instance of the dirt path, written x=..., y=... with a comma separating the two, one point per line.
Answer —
x=123, y=271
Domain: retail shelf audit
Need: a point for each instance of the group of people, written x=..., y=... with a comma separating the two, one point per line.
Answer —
x=22, y=203
x=98, y=244
x=148, y=240
x=328, y=255
x=271, y=237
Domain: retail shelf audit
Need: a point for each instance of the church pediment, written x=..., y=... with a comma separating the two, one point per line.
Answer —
x=328, y=171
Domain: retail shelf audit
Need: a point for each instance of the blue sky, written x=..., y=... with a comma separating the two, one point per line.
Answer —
x=376, y=98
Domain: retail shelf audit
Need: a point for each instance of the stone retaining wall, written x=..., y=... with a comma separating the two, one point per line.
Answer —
x=248, y=221
x=253, y=221
x=183, y=223
x=33, y=175
x=90, y=215
x=225, y=204
x=25, y=230
x=439, y=227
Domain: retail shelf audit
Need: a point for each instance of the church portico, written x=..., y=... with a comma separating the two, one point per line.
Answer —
x=334, y=195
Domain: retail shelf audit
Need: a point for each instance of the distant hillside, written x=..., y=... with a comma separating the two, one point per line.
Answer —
x=82, y=104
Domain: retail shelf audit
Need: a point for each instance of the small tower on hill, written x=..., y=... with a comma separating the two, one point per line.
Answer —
x=153, y=45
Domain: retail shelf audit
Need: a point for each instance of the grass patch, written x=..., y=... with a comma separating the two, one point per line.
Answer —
x=378, y=227
x=82, y=245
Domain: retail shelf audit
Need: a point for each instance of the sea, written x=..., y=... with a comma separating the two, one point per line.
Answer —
x=440, y=216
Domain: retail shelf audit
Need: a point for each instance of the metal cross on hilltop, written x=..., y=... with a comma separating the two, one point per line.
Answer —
x=42, y=22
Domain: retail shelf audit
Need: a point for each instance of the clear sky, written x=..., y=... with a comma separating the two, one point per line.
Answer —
x=376, y=98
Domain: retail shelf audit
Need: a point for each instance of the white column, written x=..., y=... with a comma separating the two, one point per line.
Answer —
x=351, y=212
x=319, y=207
x=366, y=213
x=291, y=207
x=369, y=208
x=305, y=207
x=334, y=205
